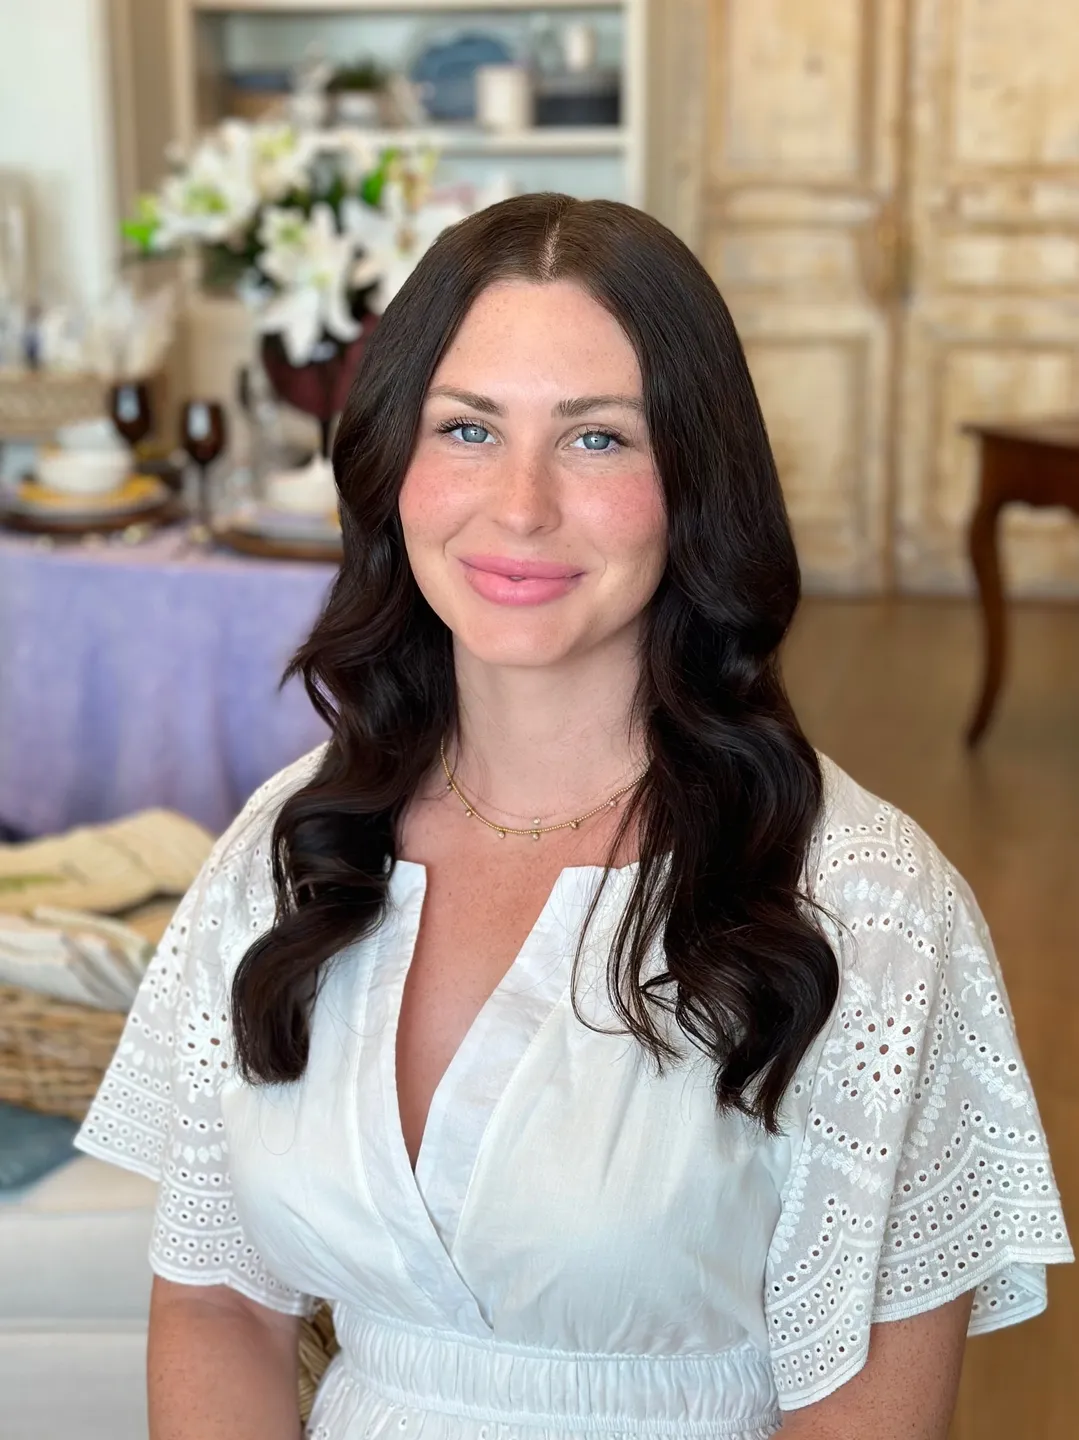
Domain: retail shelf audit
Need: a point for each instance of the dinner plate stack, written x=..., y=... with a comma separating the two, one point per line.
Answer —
x=38, y=507
x=297, y=518
x=82, y=483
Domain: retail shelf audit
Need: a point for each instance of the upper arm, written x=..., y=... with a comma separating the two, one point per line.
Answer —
x=169, y=1300
x=220, y=1366
x=905, y=1391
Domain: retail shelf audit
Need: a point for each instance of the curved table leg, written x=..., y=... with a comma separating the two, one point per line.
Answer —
x=986, y=561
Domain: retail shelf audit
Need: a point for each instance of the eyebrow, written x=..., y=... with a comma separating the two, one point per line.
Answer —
x=585, y=404
x=568, y=409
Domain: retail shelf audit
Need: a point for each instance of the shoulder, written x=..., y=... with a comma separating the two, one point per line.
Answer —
x=245, y=847
x=918, y=977
x=252, y=829
x=880, y=877
x=233, y=900
x=907, y=932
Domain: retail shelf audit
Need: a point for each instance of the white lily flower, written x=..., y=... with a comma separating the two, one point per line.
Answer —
x=279, y=159
x=354, y=151
x=394, y=238
x=312, y=266
x=211, y=200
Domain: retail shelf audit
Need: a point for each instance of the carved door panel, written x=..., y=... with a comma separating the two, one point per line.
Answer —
x=991, y=324
x=798, y=230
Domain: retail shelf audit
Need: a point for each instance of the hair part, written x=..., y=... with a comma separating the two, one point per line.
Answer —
x=733, y=789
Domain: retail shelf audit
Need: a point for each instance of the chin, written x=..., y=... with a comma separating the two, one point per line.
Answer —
x=515, y=640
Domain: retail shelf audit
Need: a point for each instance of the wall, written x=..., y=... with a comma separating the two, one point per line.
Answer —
x=55, y=127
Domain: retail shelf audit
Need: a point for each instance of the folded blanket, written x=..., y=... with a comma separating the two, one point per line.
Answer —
x=81, y=913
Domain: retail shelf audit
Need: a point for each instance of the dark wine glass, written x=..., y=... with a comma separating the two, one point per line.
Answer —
x=203, y=434
x=129, y=407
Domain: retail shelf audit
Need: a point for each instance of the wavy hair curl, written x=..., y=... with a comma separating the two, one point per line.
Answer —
x=733, y=788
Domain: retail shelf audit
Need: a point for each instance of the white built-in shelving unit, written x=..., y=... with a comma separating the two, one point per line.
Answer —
x=208, y=39
x=211, y=37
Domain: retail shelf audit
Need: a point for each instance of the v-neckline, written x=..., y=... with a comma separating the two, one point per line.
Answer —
x=527, y=959
x=511, y=1018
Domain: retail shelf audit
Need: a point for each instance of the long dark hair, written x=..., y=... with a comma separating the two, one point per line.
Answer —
x=733, y=788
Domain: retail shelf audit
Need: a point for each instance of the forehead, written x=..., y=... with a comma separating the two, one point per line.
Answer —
x=551, y=334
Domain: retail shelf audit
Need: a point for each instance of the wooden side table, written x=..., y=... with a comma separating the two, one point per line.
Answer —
x=1033, y=462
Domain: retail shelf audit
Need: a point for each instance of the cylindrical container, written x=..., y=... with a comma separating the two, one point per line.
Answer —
x=579, y=98
x=361, y=108
x=579, y=47
x=503, y=97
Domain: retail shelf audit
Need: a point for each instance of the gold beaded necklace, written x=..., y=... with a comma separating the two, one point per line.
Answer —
x=535, y=830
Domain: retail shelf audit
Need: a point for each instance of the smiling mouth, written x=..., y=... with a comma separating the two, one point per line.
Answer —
x=503, y=580
x=518, y=570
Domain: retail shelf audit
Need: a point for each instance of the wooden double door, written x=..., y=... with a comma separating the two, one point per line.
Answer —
x=887, y=193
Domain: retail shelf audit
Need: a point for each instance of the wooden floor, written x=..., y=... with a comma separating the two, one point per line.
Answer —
x=885, y=689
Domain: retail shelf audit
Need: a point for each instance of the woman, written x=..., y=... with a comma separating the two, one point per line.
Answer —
x=612, y=1062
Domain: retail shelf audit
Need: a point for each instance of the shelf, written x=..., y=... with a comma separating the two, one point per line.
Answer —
x=326, y=7
x=543, y=140
x=215, y=37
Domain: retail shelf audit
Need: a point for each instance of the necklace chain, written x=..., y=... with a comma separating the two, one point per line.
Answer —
x=535, y=830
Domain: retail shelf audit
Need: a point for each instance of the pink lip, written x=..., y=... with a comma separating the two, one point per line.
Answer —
x=492, y=576
x=526, y=569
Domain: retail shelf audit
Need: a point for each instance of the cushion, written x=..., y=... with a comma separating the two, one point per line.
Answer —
x=64, y=1385
x=31, y=1145
x=73, y=1248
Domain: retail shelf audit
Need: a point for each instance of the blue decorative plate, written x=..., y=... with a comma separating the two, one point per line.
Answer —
x=447, y=70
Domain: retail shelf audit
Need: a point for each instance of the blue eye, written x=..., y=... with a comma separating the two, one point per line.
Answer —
x=597, y=440
x=471, y=434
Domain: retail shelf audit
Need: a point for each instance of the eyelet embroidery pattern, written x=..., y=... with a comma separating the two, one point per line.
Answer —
x=919, y=1170
x=922, y=1172
x=158, y=1109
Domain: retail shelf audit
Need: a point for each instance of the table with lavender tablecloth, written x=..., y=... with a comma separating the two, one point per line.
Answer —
x=146, y=675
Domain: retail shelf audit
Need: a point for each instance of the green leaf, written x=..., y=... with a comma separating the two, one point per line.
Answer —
x=374, y=183
x=141, y=229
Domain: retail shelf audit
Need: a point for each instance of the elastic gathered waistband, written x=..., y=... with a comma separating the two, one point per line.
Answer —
x=728, y=1393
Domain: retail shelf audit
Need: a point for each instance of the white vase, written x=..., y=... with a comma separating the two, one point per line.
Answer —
x=361, y=108
x=503, y=97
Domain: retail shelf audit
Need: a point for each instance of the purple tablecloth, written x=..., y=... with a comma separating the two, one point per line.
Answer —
x=133, y=676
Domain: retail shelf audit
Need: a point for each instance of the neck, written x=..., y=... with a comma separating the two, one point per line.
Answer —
x=549, y=741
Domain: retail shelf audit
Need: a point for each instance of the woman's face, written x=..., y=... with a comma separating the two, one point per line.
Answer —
x=532, y=513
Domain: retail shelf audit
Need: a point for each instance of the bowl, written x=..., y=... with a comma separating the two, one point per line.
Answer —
x=99, y=434
x=83, y=472
x=308, y=491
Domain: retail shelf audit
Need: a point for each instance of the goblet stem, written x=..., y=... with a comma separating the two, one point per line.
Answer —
x=205, y=514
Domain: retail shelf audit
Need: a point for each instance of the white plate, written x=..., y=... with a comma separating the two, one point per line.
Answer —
x=276, y=524
x=122, y=501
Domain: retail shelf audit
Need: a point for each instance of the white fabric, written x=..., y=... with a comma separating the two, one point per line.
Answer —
x=587, y=1246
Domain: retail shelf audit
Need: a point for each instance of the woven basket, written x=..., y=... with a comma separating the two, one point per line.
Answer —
x=318, y=1346
x=34, y=404
x=53, y=1054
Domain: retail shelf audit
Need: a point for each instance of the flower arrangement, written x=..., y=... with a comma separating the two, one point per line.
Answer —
x=314, y=228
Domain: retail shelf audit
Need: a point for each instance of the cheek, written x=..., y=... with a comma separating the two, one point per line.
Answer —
x=629, y=523
x=430, y=505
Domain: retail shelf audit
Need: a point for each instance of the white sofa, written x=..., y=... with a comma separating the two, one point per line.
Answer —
x=74, y=1297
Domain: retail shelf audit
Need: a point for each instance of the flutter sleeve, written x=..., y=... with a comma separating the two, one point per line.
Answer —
x=158, y=1109
x=922, y=1170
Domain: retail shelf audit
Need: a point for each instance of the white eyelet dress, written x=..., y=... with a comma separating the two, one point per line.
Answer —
x=586, y=1247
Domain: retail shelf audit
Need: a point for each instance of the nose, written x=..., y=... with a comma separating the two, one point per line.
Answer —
x=525, y=497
